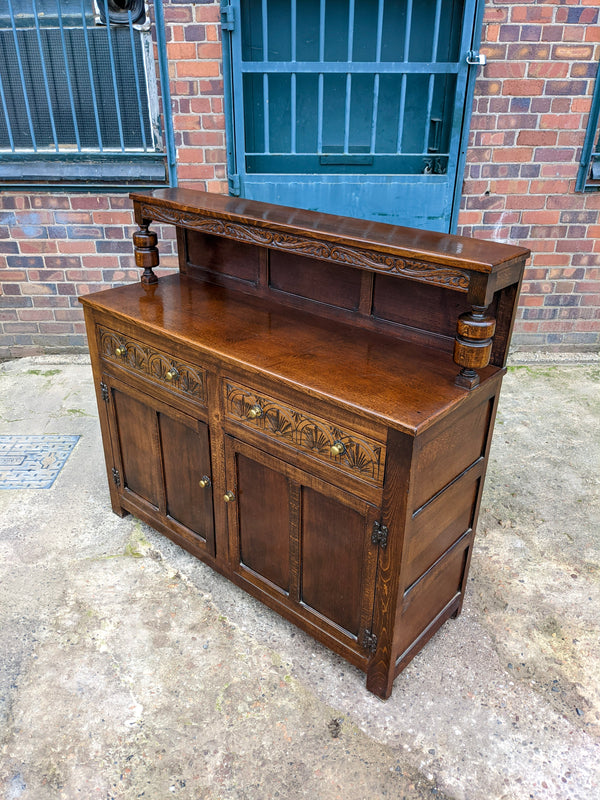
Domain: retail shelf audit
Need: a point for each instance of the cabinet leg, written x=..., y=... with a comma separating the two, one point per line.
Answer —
x=458, y=609
x=380, y=679
x=118, y=508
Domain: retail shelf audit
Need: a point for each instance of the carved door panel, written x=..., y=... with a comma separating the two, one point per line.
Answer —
x=161, y=455
x=303, y=542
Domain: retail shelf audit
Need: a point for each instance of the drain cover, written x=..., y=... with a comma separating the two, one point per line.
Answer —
x=33, y=462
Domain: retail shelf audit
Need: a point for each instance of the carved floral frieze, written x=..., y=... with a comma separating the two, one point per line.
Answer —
x=176, y=375
x=415, y=269
x=360, y=456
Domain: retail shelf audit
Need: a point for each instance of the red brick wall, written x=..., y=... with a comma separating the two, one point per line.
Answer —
x=56, y=246
x=530, y=114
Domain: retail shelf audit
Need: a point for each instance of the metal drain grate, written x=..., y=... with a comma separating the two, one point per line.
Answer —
x=33, y=462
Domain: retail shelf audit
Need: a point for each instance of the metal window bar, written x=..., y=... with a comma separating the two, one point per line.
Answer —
x=407, y=30
x=348, y=100
x=45, y=73
x=91, y=77
x=6, y=115
x=376, y=78
x=588, y=176
x=77, y=90
x=293, y=97
x=113, y=72
x=431, y=85
x=138, y=93
x=68, y=71
x=321, y=77
x=22, y=74
x=265, y=37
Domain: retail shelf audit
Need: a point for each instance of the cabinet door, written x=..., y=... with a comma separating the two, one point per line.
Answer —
x=161, y=455
x=302, y=545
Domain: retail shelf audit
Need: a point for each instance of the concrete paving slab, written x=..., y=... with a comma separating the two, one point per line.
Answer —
x=129, y=669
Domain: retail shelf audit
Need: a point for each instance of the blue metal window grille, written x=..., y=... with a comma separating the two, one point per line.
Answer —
x=358, y=107
x=306, y=77
x=79, y=104
x=588, y=177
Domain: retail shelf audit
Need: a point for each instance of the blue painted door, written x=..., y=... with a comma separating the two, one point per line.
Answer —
x=354, y=107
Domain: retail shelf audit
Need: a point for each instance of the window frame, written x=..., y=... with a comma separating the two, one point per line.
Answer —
x=65, y=165
x=590, y=153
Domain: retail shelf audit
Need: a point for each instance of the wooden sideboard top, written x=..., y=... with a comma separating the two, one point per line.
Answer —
x=306, y=229
x=405, y=385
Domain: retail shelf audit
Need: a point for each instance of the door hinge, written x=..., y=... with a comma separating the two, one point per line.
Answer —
x=104, y=391
x=380, y=534
x=227, y=16
x=116, y=476
x=474, y=57
x=234, y=185
x=369, y=641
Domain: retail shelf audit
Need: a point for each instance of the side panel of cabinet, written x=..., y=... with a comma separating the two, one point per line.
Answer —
x=302, y=543
x=161, y=455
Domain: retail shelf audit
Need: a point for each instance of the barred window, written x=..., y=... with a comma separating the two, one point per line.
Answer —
x=78, y=95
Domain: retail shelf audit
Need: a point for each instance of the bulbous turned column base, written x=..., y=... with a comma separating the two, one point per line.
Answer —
x=146, y=253
x=473, y=345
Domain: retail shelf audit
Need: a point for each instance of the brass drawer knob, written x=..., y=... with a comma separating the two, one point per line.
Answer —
x=171, y=374
x=204, y=482
x=121, y=351
x=254, y=412
x=228, y=496
x=337, y=449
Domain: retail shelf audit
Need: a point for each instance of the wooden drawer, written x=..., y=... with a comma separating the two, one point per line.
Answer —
x=145, y=361
x=337, y=446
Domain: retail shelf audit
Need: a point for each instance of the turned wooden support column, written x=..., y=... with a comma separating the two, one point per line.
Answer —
x=146, y=252
x=473, y=345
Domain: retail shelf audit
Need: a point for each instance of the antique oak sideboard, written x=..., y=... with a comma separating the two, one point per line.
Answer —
x=307, y=406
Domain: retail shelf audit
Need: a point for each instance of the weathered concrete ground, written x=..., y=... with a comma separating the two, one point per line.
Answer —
x=128, y=669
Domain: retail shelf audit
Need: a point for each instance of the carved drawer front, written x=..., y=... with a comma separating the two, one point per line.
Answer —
x=338, y=446
x=175, y=375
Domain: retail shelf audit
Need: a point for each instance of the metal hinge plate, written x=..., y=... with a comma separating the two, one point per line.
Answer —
x=369, y=641
x=104, y=391
x=380, y=535
x=227, y=17
x=116, y=476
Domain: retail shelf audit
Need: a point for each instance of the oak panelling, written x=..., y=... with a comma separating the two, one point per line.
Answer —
x=263, y=223
x=186, y=458
x=332, y=565
x=425, y=599
x=503, y=309
x=148, y=363
x=440, y=523
x=454, y=445
x=222, y=257
x=138, y=446
x=263, y=499
x=320, y=281
x=418, y=305
x=400, y=457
